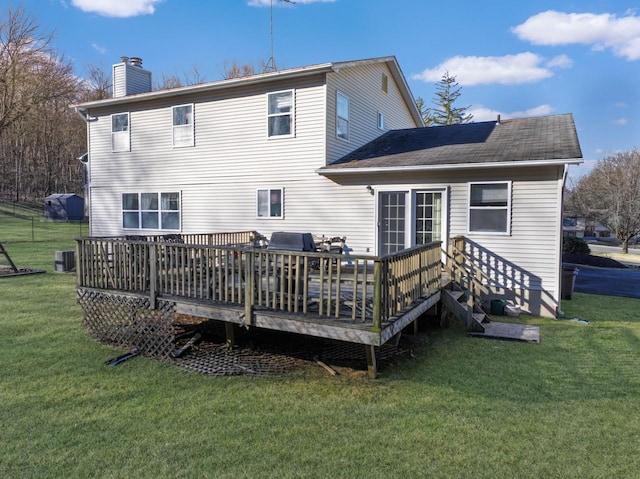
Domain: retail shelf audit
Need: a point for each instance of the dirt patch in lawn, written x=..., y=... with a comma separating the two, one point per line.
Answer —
x=590, y=260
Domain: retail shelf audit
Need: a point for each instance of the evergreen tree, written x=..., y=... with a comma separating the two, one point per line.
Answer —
x=446, y=113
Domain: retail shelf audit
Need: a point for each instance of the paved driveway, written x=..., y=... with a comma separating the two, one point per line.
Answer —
x=608, y=281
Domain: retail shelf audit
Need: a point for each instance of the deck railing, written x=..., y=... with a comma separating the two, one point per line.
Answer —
x=364, y=289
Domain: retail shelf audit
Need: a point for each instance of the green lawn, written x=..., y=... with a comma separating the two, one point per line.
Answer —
x=461, y=407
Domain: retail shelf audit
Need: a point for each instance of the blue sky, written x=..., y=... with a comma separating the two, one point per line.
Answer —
x=515, y=58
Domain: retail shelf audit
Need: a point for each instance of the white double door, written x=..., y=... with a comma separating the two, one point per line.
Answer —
x=409, y=218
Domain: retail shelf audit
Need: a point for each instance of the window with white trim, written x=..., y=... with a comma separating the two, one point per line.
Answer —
x=269, y=203
x=120, y=139
x=155, y=211
x=489, y=207
x=182, y=125
x=342, y=116
x=380, y=120
x=280, y=113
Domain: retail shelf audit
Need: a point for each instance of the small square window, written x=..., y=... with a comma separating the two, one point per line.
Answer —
x=380, y=120
x=269, y=203
x=489, y=207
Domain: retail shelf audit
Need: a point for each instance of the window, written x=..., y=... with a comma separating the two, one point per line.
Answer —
x=489, y=207
x=280, y=113
x=380, y=120
x=182, y=125
x=269, y=203
x=157, y=211
x=342, y=116
x=120, y=132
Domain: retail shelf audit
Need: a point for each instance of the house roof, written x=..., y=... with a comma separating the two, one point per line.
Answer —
x=526, y=141
x=391, y=62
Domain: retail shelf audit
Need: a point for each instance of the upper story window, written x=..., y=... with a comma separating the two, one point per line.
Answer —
x=280, y=113
x=380, y=120
x=489, y=207
x=182, y=125
x=156, y=211
x=269, y=203
x=342, y=116
x=385, y=83
x=120, y=139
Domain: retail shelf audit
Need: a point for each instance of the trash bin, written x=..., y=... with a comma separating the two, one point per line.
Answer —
x=569, y=274
x=497, y=306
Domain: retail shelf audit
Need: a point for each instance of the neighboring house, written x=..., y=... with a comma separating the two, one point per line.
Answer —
x=336, y=149
x=580, y=227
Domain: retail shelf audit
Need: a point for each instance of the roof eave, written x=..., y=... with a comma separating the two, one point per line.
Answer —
x=210, y=86
x=325, y=171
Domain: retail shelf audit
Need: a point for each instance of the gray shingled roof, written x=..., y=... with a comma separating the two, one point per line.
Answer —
x=512, y=141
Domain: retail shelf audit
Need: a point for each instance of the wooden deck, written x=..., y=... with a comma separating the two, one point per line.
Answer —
x=359, y=299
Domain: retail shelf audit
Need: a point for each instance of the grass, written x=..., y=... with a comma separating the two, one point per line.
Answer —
x=460, y=407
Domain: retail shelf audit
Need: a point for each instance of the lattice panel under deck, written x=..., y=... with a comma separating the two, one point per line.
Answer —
x=127, y=322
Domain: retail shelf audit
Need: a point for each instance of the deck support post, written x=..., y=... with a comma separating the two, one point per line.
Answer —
x=153, y=275
x=250, y=279
x=377, y=296
x=230, y=333
x=372, y=367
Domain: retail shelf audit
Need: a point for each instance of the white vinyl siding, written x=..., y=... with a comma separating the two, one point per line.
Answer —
x=129, y=80
x=182, y=129
x=362, y=85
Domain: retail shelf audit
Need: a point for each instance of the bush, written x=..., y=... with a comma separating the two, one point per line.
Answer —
x=574, y=245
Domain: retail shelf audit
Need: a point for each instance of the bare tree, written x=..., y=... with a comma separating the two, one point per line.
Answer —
x=193, y=76
x=610, y=195
x=30, y=71
x=233, y=70
x=98, y=84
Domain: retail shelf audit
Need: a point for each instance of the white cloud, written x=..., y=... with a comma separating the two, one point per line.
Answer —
x=267, y=3
x=99, y=49
x=481, y=113
x=561, y=61
x=117, y=8
x=621, y=121
x=507, y=70
x=603, y=31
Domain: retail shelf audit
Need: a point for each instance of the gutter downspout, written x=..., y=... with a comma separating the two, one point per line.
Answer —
x=559, y=312
x=86, y=163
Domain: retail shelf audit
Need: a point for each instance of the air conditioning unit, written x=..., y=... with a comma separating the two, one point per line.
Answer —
x=65, y=261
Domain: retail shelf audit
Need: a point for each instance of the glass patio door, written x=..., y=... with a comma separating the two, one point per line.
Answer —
x=408, y=218
x=428, y=217
x=392, y=221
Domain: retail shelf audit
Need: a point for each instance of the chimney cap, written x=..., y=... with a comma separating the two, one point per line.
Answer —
x=124, y=59
x=136, y=61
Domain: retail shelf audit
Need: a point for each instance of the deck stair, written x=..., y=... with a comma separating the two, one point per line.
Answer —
x=456, y=300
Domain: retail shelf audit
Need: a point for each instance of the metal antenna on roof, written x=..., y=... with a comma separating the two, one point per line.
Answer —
x=270, y=66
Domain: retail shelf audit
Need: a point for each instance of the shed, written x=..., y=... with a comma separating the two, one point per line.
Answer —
x=67, y=206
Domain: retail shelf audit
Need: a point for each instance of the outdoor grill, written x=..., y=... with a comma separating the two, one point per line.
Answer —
x=290, y=241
